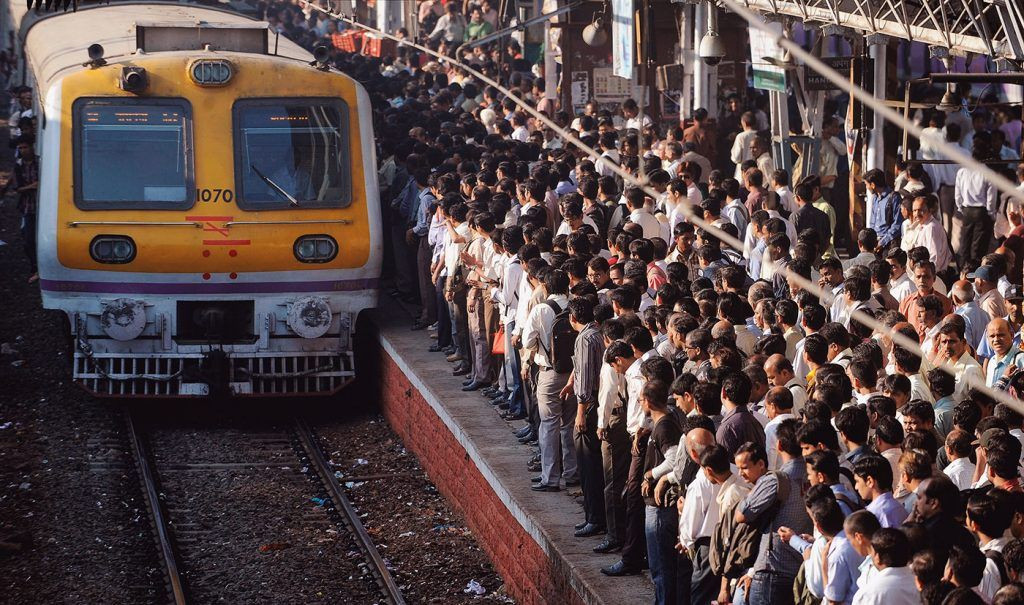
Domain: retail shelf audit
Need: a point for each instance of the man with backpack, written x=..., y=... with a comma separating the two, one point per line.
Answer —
x=989, y=516
x=550, y=337
x=775, y=501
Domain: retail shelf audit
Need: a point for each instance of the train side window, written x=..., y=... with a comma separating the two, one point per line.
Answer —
x=292, y=153
x=133, y=154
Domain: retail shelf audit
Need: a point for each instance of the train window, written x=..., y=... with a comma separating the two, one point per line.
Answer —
x=291, y=153
x=133, y=153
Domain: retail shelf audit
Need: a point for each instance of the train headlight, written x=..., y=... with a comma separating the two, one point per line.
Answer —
x=211, y=72
x=123, y=319
x=112, y=249
x=315, y=248
x=310, y=317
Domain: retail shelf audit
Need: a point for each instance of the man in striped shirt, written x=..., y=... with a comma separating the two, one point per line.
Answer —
x=587, y=358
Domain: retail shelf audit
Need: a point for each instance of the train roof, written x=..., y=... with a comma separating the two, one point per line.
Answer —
x=56, y=42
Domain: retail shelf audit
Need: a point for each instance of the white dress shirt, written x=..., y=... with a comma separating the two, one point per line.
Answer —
x=609, y=383
x=537, y=333
x=890, y=586
x=635, y=416
x=771, y=440
x=700, y=512
x=650, y=223
x=960, y=472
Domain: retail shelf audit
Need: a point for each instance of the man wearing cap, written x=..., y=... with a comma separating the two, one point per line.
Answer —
x=990, y=300
x=1007, y=354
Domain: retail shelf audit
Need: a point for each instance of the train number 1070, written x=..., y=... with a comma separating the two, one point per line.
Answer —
x=215, y=195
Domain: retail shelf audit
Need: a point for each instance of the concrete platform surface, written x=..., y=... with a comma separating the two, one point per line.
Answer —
x=490, y=446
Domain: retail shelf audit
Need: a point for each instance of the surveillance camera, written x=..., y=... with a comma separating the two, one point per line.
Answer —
x=711, y=51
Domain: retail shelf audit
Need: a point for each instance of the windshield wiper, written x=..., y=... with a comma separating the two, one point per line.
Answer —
x=274, y=186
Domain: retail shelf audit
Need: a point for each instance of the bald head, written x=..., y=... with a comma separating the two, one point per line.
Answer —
x=962, y=291
x=1000, y=335
x=723, y=328
x=779, y=370
x=697, y=441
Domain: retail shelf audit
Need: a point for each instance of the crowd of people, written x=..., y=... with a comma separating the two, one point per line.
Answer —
x=743, y=436
x=746, y=437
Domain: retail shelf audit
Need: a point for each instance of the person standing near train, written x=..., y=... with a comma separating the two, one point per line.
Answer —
x=26, y=185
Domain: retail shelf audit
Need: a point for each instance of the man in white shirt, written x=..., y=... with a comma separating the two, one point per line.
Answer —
x=778, y=406
x=953, y=348
x=740, y=151
x=960, y=469
x=631, y=112
x=640, y=214
x=927, y=231
x=893, y=584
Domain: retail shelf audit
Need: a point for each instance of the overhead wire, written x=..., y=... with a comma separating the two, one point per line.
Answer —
x=859, y=93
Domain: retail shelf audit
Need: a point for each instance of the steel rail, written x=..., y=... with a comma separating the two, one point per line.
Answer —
x=148, y=477
x=341, y=503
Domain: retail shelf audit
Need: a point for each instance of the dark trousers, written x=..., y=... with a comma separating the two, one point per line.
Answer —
x=704, y=584
x=615, y=463
x=634, y=550
x=405, y=261
x=588, y=460
x=444, y=318
x=530, y=392
x=28, y=235
x=697, y=585
x=975, y=238
x=461, y=323
x=428, y=296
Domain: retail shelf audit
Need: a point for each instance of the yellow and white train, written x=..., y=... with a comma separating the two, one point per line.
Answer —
x=208, y=203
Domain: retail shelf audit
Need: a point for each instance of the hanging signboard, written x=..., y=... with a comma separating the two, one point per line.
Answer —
x=623, y=41
x=762, y=47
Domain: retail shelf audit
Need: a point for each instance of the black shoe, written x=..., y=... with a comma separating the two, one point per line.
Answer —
x=620, y=569
x=435, y=349
x=589, y=530
x=607, y=546
x=575, y=483
x=536, y=479
x=540, y=487
x=460, y=371
x=523, y=431
x=448, y=350
x=580, y=525
x=503, y=406
x=489, y=392
x=512, y=417
x=527, y=437
x=497, y=401
x=533, y=467
x=473, y=386
x=531, y=441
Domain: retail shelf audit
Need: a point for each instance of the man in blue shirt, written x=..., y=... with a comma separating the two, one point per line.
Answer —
x=873, y=482
x=885, y=217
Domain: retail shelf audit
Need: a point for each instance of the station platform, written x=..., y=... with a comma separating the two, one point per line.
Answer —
x=470, y=453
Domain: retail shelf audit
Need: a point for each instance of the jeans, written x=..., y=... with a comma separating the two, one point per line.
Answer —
x=768, y=588
x=661, y=524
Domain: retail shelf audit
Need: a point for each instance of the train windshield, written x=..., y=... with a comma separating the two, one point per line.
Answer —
x=133, y=154
x=291, y=153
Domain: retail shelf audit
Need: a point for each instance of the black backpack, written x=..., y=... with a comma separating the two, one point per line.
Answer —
x=997, y=557
x=563, y=340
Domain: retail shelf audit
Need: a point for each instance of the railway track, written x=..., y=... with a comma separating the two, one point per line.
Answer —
x=287, y=457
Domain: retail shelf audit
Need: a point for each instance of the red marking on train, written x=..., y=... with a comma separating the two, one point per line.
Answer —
x=232, y=252
x=216, y=219
x=206, y=276
x=233, y=275
x=206, y=253
x=211, y=227
x=226, y=242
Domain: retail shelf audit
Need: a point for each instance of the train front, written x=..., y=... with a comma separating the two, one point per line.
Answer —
x=214, y=226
